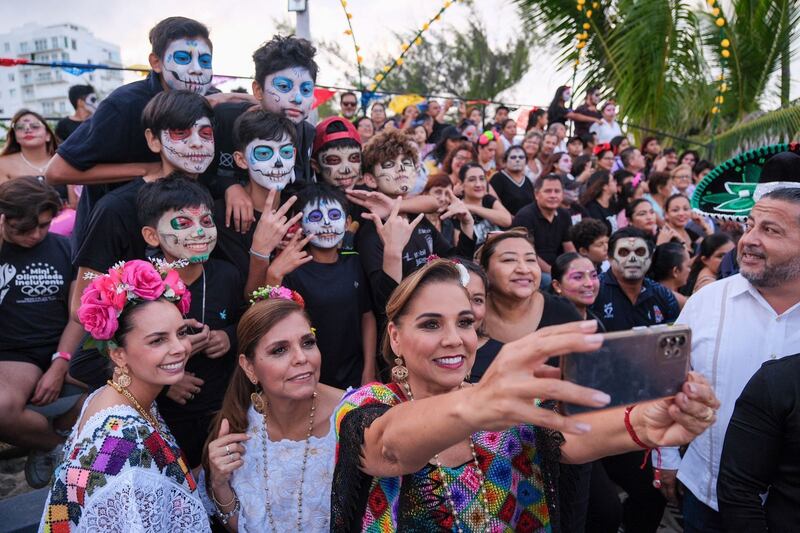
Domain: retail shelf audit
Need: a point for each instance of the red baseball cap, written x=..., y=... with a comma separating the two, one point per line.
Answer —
x=321, y=138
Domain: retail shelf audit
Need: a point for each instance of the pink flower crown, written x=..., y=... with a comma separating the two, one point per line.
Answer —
x=125, y=284
x=276, y=293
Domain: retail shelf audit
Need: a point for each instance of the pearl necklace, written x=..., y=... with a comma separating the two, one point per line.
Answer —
x=40, y=170
x=484, y=526
x=136, y=405
x=265, y=436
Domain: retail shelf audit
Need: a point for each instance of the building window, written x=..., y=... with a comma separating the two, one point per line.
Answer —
x=54, y=40
x=23, y=46
x=11, y=77
x=40, y=44
x=66, y=42
x=47, y=107
x=74, y=44
x=62, y=106
x=6, y=47
x=12, y=93
x=64, y=56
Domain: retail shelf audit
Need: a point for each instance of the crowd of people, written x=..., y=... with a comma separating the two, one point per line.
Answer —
x=356, y=325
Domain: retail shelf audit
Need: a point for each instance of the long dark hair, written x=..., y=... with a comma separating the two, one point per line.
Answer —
x=594, y=189
x=557, y=101
x=708, y=247
x=12, y=144
x=666, y=257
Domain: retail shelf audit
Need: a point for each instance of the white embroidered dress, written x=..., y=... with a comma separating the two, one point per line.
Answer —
x=120, y=476
x=285, y=459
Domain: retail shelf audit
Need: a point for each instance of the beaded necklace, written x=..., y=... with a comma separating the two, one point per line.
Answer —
x=484, y=526
x=136, y=405
x=265, y=436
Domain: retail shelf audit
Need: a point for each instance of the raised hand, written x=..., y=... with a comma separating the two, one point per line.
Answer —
x=291, y=257
x=218, y=344
x=396, y=231
x=186, y=389
x=458, y=209
x=377, y=202
x=273, y=224
x=238, y=207
x=199, y=340
x=225, y=455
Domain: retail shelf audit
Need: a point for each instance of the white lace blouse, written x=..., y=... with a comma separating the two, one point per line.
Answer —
x=285, y=460
x=120, y=476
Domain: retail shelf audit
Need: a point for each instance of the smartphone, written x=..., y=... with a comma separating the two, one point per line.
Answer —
x=632, y=366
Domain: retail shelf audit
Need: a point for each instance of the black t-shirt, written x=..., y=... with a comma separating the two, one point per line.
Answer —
x=336, y=297
x=483, y=358
x=66, y=126
x=548, y=237
x=223, y=306
x=482, y=226
x=557, y=113
x=113, y=233
x=436, y=132
x=655, y=305
x=604, y=214
x=581, y=127
x=232, y=246
x=224, y=172
x=34, y=293
x=514, y=195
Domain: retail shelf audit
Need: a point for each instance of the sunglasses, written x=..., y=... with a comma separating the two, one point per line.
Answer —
x=348, y=104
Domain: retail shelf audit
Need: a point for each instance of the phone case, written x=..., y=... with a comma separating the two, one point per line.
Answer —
x=632, y=366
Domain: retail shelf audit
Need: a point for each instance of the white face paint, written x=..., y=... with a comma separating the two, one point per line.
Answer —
x=516, y=160
x=289, y=92
x=566, y=95
x=394, y=177
x=192, y=149
x=187, y=65
x=188, y=233
x=91, y=102
x=271, y=163
x=341, y=166
x=631, y=258
x=325, y=220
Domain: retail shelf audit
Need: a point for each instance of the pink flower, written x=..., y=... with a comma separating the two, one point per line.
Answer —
x=281, y=292
x=108, y=287
x=174, y=282
x=100, y=321
x=185, y=302
x=143, y=279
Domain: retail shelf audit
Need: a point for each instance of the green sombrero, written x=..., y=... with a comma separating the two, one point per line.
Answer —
x=731, y=189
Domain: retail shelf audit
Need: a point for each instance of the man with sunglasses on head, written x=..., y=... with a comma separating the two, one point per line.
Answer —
x=349, y=104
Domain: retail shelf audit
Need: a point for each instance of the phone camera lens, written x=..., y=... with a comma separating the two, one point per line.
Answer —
x=663, y=342
x=672, y=341
x=681, y=340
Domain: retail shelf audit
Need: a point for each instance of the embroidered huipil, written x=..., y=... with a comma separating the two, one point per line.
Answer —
x=515, y=464
x=119, y=475
x=734, y=331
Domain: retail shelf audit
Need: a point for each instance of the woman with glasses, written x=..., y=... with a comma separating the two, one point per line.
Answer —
x=605, y=156
x=29, y=146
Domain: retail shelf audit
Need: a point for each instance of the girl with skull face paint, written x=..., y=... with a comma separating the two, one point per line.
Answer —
x=333, y=286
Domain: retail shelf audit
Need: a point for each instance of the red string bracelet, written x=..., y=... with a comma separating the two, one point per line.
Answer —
x=638, y=441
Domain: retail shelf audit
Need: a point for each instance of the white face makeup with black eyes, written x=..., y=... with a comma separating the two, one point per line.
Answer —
x=341, y=166
x=516, y=160
x=187, y=65
x=91, y=102
x=395, y=177
x=271, y=163
x=188, y=233
x=289, y=92
x=191, y=149
x=325, y=220
x=631, y=258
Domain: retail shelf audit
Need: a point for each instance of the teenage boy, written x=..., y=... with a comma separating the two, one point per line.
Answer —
x=265, y=150
x=590, y=238
x=175, y=216
x=333, y=286
x=84, y=101
x=336, y=158
x=284, y=84
x=178, y=128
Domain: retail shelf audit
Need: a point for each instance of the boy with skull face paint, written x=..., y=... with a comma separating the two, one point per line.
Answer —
x=333, y=286
x=175, y=216
x=177, y=127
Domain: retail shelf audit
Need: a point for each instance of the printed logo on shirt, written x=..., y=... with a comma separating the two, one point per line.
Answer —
x=659, y=316
x=7, y=273
x=355, y=284
x=39, y=282
x=576, y=218
x=223, y=314
x=225, y=160
x=608, y=310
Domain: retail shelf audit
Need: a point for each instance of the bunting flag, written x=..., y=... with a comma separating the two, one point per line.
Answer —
x=400, y=102
x=321, y=96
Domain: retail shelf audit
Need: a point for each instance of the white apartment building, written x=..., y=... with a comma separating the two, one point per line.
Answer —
x=44, y=89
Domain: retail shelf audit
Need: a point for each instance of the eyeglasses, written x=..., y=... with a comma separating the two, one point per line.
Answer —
x=683, y=177
x=348, y=104
x=33, y=126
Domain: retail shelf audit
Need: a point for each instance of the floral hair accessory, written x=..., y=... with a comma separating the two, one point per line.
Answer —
x=125, y=284
x=276, y=293
x=485, y=137
x=463, y=273
x=605, y=147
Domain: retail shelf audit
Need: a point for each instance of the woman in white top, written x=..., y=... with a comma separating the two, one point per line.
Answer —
x=607, y=128
x=274, y=433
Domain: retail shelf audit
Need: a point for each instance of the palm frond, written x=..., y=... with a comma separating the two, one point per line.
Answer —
x=780, y=125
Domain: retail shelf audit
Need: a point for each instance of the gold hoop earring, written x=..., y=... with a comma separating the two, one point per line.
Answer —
x=121, y=377
x=258, y=402
x=399, y=371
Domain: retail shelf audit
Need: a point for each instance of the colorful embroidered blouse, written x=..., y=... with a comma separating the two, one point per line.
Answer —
x=119, y=475
x=518, y=488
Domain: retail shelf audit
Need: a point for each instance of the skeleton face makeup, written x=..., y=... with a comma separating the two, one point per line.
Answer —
x=289, y=92
x=631, y=258
x=341, y=166
x=192, y=149
x=187, y=65
x=516, y=160
x=271, y=163
x=325, y=220
x=91, y=102
x=395, y=177
x=188, y=233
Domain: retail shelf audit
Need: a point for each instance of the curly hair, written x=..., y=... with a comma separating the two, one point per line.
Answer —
x=283, y=52
x=385, y=146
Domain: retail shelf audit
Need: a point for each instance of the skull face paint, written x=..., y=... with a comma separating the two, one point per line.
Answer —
x=188, y=233
x=91, y=102
x=516, y=160
x=289, y=92
x=187, y=65
x=631, y=258
x=271, y=163
x=191, y=149
x=340, y=166
x=395, y=177
x=325, y=220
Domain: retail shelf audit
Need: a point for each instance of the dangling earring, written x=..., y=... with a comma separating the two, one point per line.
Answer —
x=121, y=377
x=258, y=401
x=399, y=371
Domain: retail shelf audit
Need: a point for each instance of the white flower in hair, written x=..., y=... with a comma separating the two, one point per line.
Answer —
x=463, y=274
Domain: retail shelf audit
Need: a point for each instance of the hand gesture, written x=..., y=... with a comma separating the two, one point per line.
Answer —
x=666, y=234
x=458, y=209
x=186, y=389
x=396, y=231
x=679, y=419
x=659, y=164
x=507, y=393
x=218, y=344
x=225, y=454
x=375, y=201
x=290, y=258
x=199, y=340
x=239, y=207
x=49, y=385
x=273, y=224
